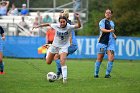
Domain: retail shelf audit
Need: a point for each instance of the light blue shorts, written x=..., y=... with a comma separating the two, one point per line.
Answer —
x=102, y=48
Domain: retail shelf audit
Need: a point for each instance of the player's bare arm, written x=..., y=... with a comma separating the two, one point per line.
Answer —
x=70, y=39
x=78, y=25
x=105, y=30
x=3, y=36
x=42, y=25
x=7, y=3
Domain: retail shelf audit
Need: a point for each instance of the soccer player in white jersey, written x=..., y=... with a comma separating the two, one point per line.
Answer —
x=61, y=41
x=71, y=49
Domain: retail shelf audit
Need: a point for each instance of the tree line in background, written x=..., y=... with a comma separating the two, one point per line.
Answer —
x=126, y=17
x=126, y=14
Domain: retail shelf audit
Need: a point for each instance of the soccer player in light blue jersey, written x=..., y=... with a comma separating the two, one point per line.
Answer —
x=71, y=49
x=106, y=44
x=1, y=50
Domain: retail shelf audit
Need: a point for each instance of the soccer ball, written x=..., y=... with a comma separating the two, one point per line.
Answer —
x=51, y=76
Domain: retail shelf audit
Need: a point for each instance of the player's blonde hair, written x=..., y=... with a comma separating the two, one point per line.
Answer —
x=66, y=13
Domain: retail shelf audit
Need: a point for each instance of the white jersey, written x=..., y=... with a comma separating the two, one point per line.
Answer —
x=62, y=35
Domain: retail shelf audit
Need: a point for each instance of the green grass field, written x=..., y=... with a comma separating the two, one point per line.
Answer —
x=29, y=76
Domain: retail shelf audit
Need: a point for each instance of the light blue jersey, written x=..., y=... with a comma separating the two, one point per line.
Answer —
x=105, y=37
x=106, y=40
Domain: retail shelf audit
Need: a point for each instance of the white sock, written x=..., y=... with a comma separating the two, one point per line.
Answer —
x=64, y=72
x=47, y=53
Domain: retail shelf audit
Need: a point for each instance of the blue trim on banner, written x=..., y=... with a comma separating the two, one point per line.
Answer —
x=23, y=47
x=26, y=47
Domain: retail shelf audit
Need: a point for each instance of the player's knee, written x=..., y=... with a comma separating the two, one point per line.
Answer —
x=48, y=61
x=0, y=59
x=99, y=59
x=112, y=52
x=111, y=59
x=62, y=62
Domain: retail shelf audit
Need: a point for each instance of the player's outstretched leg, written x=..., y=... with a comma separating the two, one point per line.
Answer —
x=49, y=58
x=59, y=71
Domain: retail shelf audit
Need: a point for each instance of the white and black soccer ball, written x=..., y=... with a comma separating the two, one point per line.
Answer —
x=51, y=76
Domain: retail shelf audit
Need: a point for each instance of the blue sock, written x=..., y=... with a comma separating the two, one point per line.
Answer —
x=1, y=66
x=97, y=67
x=109, y=67
x=58, y=65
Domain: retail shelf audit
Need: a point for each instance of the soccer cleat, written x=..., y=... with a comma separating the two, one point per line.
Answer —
x=96, y=76
x=2, y=73
x=64, y=81
x=107, y=76
x=59, y=77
